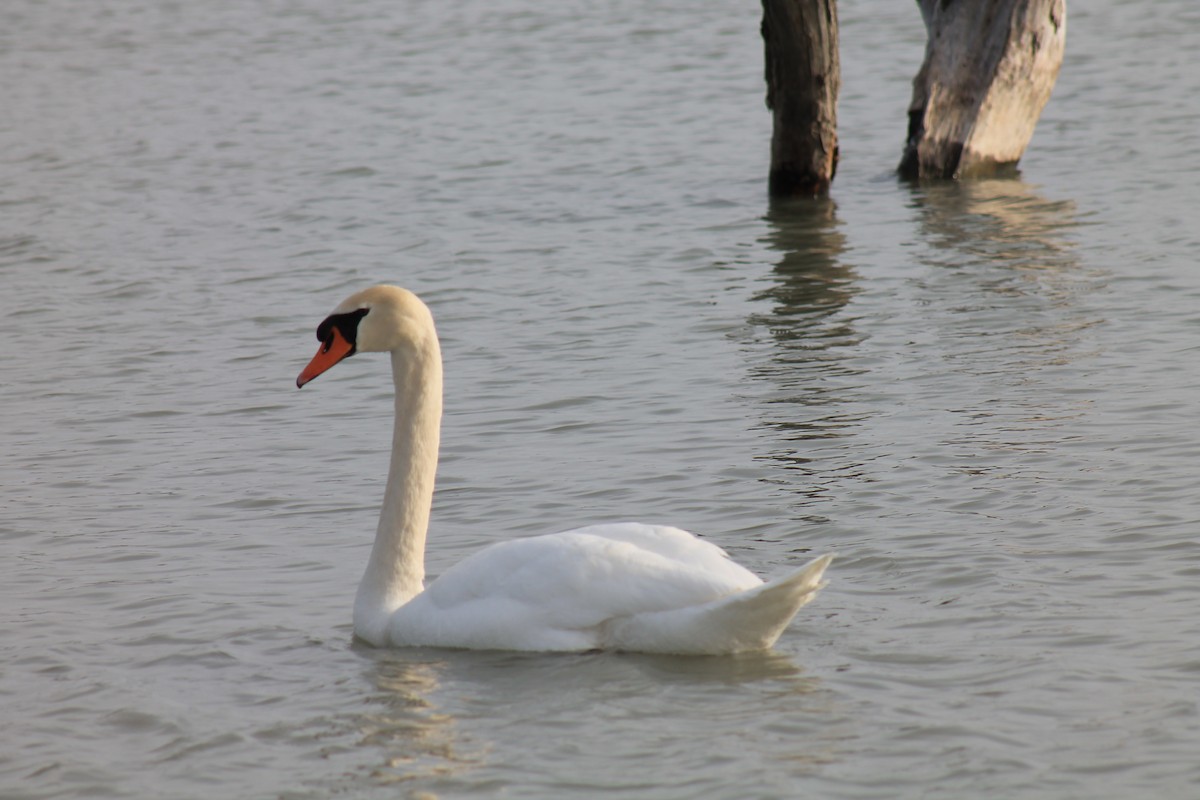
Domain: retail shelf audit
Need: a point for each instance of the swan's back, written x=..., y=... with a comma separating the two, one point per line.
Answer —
x=577, y=590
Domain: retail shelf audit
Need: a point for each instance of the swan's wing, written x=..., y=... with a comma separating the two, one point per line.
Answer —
x=669, y=542
x=558, y=592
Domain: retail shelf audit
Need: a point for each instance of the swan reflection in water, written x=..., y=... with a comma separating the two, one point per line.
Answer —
x=415, y=740
x=455, y=721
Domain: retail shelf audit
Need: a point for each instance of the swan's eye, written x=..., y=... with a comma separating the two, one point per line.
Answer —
x=325, y=334
x=345, y=324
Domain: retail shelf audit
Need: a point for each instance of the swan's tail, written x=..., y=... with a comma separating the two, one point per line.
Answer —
x=747, y=621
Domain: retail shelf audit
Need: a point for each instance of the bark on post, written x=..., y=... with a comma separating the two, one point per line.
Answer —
x=989, y=68
x=803, y=78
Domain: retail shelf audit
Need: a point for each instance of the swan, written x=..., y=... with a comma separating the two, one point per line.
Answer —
x=624, y=586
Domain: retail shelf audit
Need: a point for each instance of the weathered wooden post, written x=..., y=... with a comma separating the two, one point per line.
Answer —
x=803, y=78
x=989, y=68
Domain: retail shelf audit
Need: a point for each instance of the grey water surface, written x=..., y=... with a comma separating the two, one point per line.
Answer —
x=983, y=397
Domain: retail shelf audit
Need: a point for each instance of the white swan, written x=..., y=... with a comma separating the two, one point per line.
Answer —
x=624, y=586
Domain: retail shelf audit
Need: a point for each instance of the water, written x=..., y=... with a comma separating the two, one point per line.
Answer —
x=980, y=396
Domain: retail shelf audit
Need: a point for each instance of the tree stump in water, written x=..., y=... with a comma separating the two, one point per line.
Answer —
x=803, y=78
x=988, y=71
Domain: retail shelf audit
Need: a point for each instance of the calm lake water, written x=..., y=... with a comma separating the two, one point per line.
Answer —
x=983, y=397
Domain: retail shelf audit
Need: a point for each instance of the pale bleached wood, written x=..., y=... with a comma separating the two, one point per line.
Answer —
x=989, y=68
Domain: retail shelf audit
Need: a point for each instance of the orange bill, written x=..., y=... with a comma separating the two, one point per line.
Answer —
x=329, y=353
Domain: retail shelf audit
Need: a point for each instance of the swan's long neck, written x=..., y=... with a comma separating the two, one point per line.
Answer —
x=396, y=570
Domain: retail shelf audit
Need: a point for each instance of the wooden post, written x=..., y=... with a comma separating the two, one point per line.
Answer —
x=803, y=78
x=989, y=68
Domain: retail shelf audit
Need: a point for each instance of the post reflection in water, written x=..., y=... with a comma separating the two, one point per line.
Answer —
x=1003, y=302
x=810, y=401
x=1001, y=220
x=884, y=381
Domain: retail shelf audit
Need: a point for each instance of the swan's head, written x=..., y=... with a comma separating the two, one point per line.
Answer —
x=375, y=320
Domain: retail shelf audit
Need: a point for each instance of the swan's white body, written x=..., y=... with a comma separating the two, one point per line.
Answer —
x=624, y=586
